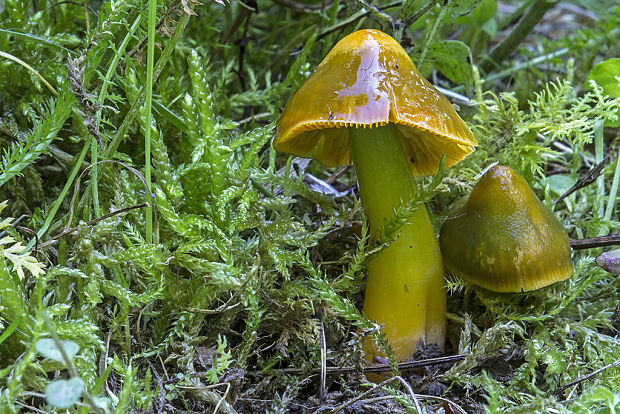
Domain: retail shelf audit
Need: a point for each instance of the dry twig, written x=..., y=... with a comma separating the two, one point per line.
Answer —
x=585, y=377
x=586, y=180
x=591, y=243
x=373, y=368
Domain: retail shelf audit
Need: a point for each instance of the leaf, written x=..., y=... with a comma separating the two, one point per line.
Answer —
x=489, y=27
x=452, y=57
x=606, y=74
x=163, y=111
x=560, y=183
x=599, y=393
x=64, y=393
x=485, y=11
x=12, y=327
x=47, y=347
x=461, y=7
x=15, y=254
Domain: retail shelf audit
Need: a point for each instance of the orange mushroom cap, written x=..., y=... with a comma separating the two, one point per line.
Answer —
x=368, y=80
x=503, y=238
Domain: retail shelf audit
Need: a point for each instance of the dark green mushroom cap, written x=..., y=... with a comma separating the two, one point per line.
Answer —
x=503, y=238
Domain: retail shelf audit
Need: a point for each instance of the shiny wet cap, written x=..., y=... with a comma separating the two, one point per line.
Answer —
x=503, y=238
x=368, y=80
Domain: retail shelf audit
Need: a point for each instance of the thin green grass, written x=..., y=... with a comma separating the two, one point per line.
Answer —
x=149, y=103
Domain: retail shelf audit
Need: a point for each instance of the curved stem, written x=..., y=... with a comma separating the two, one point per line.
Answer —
x=405, y=287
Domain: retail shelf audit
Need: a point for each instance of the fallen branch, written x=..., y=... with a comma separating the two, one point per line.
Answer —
x=586, y=180
x=591, y=243
x=372, y=368
x=585, y=377
x=90, y=223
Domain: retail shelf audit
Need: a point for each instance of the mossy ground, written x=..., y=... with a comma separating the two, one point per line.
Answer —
x=221, y=304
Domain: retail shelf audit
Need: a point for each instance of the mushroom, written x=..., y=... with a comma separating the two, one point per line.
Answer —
x=366, y=103
x=503, y=238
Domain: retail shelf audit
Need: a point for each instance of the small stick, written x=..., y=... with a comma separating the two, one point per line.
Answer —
x=379, y=13
x=91, y=222
x=591, y=243
x=302, y=7
x=410, y=391
x=31, y=408
x=381, y=398
x=332, y=179
x=14, y=224
x=360, y=14
x=455, y=407
x=407, y=365
x=372, y=368
x=585, y=377
x=323, y=345
x=359, y=397
x=586, y=180
x=160, y=402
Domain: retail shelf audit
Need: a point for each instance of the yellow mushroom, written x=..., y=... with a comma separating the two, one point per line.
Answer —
x=367, y=104
x=503, y=238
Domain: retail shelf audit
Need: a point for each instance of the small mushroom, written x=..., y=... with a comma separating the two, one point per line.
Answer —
x=367, y=104
x=503, y=238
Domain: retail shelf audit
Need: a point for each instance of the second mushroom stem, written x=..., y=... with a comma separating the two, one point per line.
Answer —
x=405, y=285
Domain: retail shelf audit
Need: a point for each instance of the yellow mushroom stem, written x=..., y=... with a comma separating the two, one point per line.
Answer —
x=405, y=285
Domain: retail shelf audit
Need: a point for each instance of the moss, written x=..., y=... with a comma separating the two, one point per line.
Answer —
x=251, y=267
